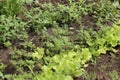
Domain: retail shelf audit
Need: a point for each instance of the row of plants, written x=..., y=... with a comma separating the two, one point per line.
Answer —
x=41, y=17
x=71, y=63
x=63, y=51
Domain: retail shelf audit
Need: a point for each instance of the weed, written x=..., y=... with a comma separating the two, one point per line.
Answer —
x=114, y=75
x=28, y=45
x=89, y=76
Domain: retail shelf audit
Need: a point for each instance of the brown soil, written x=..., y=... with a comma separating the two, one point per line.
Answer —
x=88, y=21
x=111, y=63
x=105, y=64
x=108, y=62
x=4, y=58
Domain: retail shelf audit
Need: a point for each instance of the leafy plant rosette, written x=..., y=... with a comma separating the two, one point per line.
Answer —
x=107, y=41
x=65, y=65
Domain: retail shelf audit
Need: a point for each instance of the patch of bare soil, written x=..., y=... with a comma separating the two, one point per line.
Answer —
x=104, y=65
x=88, y=21
x=4, y=58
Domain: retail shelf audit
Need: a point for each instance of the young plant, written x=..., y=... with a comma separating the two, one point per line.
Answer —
x=11, y=28
x=11, y=7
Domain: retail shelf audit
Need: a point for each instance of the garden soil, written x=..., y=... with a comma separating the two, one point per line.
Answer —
x=111, y=63
x=105, y=64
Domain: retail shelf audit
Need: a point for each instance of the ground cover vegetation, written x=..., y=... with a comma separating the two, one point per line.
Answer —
x=55, y=40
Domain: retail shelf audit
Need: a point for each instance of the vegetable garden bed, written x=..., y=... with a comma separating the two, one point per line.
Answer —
x=59, y=40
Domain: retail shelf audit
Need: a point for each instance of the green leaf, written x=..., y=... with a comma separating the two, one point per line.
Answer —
x=38, y=53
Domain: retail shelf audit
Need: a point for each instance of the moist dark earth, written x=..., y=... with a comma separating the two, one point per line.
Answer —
x=105, y=64
x=109, y=62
